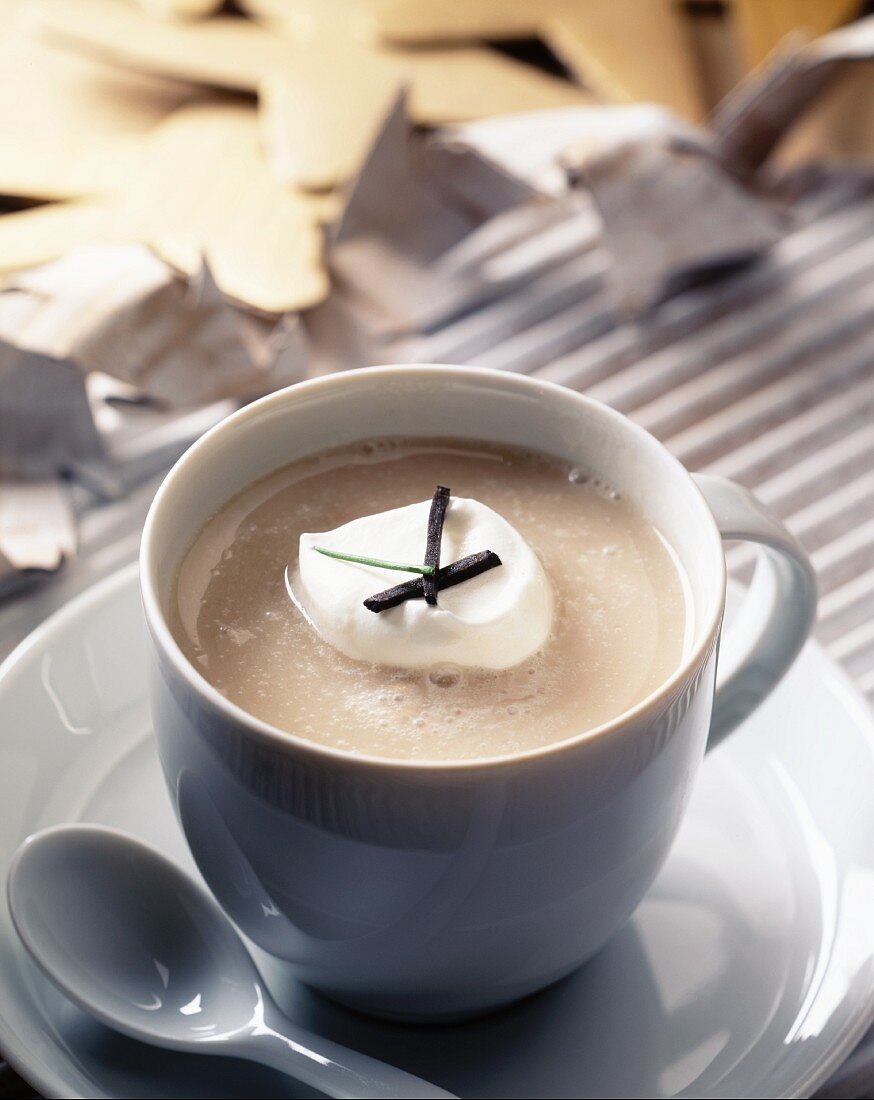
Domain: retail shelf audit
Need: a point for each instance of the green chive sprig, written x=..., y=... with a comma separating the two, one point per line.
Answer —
x=378, y=563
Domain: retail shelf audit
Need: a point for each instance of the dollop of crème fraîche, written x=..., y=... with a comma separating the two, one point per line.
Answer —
x=494, y=621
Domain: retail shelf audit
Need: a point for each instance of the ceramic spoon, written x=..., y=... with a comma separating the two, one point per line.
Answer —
x=133, y=940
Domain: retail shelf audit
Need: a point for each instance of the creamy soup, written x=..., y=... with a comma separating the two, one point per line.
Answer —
x=618, y=628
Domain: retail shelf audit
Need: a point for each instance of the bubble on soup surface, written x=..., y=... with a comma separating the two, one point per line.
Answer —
x=445, y=675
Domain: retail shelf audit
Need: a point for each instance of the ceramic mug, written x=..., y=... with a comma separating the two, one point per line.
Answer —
x=433, y=890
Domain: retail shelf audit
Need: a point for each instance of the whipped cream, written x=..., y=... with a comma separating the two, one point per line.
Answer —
x=495, y=620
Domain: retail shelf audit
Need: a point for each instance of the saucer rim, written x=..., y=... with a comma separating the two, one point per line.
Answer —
x=16, y=1052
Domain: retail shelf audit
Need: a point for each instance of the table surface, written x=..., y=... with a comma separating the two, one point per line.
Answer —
x=765, y=376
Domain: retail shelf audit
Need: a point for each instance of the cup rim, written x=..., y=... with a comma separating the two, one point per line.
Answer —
x=165, y=642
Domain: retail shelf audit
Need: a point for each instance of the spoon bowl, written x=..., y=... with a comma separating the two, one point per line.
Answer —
x=136, y=942
x=131, y=938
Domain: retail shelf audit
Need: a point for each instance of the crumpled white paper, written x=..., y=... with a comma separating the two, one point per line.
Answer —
x=665, y=203
x=122, y=310
x=117, y=311
x=752, y=119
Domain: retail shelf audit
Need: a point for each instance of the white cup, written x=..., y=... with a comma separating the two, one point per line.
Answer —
x=433, y=890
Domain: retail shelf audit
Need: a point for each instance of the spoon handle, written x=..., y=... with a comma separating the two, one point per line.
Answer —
x=332, y=1069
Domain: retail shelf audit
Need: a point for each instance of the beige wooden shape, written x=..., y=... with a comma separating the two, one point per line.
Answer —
x=33, y=237
x=317, y=131
x=202, y=189
x=225, y=52
x=459, y=20
x=466, y=83
x=70, y=125
x=326, y=85
x=180, y=9
x=308, y=18
x=628, y=51
x=620, y=49
x=206, y=188
x=761, y=24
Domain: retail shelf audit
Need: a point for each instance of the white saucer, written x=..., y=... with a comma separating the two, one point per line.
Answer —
x=747, y=971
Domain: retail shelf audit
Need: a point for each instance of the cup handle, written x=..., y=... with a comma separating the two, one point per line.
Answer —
x=777, y=614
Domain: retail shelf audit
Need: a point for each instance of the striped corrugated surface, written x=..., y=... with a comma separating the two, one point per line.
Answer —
x=765, y=376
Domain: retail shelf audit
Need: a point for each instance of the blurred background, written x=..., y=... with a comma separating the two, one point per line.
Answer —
x=666, y=205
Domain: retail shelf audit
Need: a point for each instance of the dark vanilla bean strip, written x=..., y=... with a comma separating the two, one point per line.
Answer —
x=462, y=570
x=435, y=535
